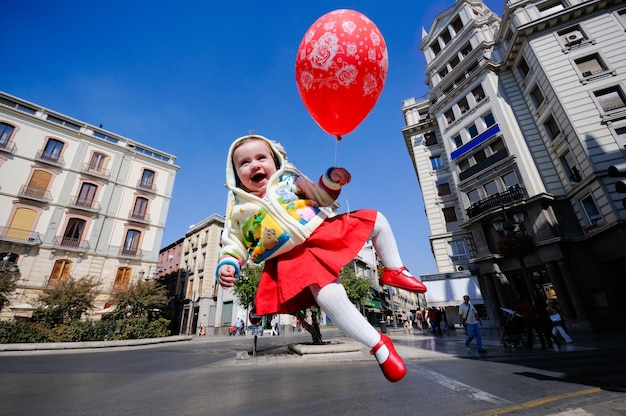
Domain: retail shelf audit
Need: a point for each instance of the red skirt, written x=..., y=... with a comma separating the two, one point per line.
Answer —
x=284, y=285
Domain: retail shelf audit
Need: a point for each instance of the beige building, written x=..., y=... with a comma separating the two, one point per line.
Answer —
x=76, y=200
x=512, y=146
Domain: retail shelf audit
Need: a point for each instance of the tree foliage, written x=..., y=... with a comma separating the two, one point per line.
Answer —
x=66, y=302
x=247, y=283
x=7, y=286
x=359, y=289
x=141, y=300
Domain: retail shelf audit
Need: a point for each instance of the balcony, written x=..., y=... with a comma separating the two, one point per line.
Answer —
x=513, y=194
x=36, y=194
x=146, y=186
x=484, y=164
x=130, y=252
x=7, y=146
x=49, y=158
x=16, y=235
x=84, y=204
x=95, y=171
x=139, y=216
x=71, y=244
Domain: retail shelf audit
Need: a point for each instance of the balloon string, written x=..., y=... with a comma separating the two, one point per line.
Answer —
x=336, y=151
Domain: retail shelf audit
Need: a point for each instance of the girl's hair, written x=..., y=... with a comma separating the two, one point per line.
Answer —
x=246, y=140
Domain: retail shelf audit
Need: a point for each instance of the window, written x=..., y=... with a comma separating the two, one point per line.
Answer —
x=6, y=130
x=443, y=188
x=491, y=188
x=550, y=7
x=463, y=105
x=610, y=99
x=466, y=49
x=147, y=179
x=458, y=142
x=449, y=214
x=53, y=149
x=457, y=250
x=496, y=146
x=489, y=120
x=572, y=37
x=445, y=36
x=536, y=96
x=478, y=93
x=38, y=184
x=590, y=65
x=140, y=208
x=589, y=206
x=73, y=232
x=87, y=195
x=569, y=167
x=621, y=135
x=21, y=224
x=449, y=116
x=551, y=128
x=510, y=179
x=122, y=278
x=457, y=24
x=436, y=162
x=454, y=62
x=430, y=138
x=472, y=130
x=97, y=162
x=60, y=272
x=443, y=72
x=479, y=156
x=131, y=242
x=435, y=47
x=473, y=196
x=523, y=69
x=463, y=164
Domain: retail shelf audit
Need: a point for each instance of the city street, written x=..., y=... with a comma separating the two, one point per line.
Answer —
x=212, y=376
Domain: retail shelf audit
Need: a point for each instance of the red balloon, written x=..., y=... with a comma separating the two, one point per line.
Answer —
x=341, y=69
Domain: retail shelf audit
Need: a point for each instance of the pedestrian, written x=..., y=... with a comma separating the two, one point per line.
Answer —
x=275, y=329
x=443, y=321
x=418, y=319
x=531, y=324
x=277, y=216
x=468, y=316
x=433, y=318
x=557, y=321
x=239, y=326
x=546, y=327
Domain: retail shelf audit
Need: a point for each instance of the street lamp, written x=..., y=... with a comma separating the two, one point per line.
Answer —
x=515, y=242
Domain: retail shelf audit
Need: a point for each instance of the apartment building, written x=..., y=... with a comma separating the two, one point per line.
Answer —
x=512, y=145
x=76, y=200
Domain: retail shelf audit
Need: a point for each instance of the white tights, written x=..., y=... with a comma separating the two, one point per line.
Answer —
x=334, y=301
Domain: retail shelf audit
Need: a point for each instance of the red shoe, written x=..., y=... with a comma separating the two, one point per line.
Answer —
x=403, y=279
x=393, y=368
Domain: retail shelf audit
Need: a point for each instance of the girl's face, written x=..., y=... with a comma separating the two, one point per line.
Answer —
x=254, y=164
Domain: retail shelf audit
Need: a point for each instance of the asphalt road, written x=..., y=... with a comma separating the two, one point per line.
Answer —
x=204, y=377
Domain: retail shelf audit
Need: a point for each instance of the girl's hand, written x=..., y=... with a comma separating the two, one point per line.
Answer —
x=227, y=276
x=340, y=176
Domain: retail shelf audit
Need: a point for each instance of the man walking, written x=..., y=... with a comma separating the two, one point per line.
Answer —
x=468, y=316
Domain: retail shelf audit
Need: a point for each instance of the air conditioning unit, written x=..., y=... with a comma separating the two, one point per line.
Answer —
x=574, y=37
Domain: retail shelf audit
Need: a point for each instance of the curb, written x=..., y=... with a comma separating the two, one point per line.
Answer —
x=57, y=346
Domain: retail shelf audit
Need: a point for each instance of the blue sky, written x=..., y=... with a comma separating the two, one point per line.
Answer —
x=190, y=77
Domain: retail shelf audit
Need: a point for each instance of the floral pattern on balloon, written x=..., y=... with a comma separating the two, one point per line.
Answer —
x=341, y=68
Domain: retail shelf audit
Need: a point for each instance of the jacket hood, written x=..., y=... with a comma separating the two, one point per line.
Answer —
x=279, y=156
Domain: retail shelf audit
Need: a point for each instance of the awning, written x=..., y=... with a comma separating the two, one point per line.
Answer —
x=450, y=291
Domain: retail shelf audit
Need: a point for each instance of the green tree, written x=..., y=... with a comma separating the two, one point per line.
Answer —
x=66, y=302
x=359, y=289
x=142, y=300
x=7, y=286
x=245, y=290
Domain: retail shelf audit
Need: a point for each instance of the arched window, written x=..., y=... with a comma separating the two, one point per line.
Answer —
x=73, y=232
x=131, y=242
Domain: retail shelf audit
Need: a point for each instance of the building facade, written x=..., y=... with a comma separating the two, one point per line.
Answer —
x=76, y=200
x=512, y=146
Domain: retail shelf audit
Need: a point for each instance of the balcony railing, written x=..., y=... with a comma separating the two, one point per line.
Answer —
x=130, y=252
x=19, y=236
x=36, y=194
x=147, y=186
x=95, y=170
x=50, y=158
x=84, y=204
x=139, y=216
x=72, y=244
x=501, y=199
x=7, y=146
